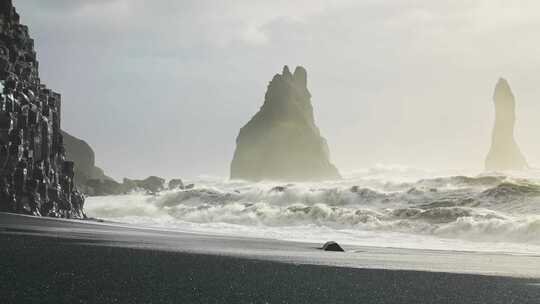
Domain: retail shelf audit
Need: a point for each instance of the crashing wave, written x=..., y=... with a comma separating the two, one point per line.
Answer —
x=484, y=208
x=512, y=190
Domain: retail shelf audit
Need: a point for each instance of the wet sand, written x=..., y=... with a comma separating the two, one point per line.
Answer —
x=59, y=261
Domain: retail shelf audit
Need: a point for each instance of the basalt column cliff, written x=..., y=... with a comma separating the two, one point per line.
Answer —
x=282, y=142
x=35, y=177
x=504, y=153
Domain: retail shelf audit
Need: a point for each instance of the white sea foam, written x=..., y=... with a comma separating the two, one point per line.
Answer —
x=380, y=207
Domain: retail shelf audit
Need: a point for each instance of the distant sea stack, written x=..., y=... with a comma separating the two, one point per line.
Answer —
x=504, y=153
x=35, y=176
x=282, y=142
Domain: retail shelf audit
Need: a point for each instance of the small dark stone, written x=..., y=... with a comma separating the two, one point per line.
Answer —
x=332, y=246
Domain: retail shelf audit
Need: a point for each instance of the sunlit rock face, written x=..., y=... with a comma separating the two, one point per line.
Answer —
x=35, y=175
x=504, y=153
x=282, y=142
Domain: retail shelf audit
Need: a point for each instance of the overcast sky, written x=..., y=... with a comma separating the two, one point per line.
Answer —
x=161, y=87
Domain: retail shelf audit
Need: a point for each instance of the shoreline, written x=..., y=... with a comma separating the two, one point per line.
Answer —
x=67, y=261
x=56, y=270
x=112, y=234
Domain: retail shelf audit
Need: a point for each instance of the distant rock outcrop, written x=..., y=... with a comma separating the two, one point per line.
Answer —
x=93, y=181
x=176, y=183
x=504, y=153
x=282, y=142
x=100, y=187
x=82, y=154
x=152, y=184
x=35, y=175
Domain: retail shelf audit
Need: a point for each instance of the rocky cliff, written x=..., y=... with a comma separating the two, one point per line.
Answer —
x=80, y=152
x=504, y=153
x=282, y=142
x=35, y=176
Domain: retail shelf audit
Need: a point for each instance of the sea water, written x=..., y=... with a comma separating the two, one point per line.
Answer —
x=384, y=206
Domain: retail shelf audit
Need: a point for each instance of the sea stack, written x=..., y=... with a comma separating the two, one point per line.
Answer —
x=504, y=153
x=35, y=176
x=282, y=142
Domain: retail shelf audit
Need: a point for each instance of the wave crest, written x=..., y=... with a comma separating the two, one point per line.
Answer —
x=492, y=208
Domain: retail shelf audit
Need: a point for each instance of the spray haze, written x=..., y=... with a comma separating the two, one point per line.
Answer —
x=393, y=81
x=155, y=140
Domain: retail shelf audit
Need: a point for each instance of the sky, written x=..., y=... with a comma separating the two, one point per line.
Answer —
x=162, y=87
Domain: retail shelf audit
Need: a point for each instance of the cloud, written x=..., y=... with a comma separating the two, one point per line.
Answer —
x=193, y=72
x=66, y=5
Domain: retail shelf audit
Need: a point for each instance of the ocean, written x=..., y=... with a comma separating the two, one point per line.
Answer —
x=396, y=207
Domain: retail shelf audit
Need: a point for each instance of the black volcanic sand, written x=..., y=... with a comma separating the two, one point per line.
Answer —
x=36, y=269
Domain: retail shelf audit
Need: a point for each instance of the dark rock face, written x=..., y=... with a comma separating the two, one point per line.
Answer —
x=332, y=246
x=504, y=153
x=35, y=177
x=282, y=142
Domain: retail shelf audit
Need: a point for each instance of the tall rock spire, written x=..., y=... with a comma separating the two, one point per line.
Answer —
x=282, y=142
x=504, y=153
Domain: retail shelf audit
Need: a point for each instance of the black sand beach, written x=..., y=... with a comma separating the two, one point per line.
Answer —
x=51, y=268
